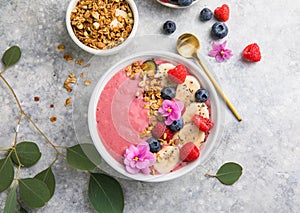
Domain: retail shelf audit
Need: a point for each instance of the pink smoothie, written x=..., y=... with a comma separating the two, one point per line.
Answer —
x=120, y=115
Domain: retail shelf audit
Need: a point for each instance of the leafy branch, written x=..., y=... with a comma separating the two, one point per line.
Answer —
x=105, y=193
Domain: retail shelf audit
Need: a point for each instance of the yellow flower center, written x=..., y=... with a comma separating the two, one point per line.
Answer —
x=136, y=158
x=169, y=110
x=222, y=52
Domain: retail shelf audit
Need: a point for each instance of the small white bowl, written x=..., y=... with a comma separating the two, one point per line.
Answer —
x=103, y=52
x=167, y=4
x=208, y=147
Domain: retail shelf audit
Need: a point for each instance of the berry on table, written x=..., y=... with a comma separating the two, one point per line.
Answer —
x=185, y=2
x=201, y=95
x=189, y=152
x=219, y=30
x=206, y=14
x=168, y=93
x=222, y=13
x=169, y=27
x=176, y=125
x=252, y=53
x=154, y=144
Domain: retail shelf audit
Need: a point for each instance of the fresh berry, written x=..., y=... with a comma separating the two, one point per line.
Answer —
x=206, y=14
x=201, y=95
x=167, y=135
x=154, y=144
x=176, y=125
x=185, y=2
x=219, y=30
x=178, y=74
x=222, y=13
x=189, y=152
x=165, y=0
x=149, y=65
x=204, y=124
x=169, y=27
x=168, y=93
x=158, y=130
x=252, y=53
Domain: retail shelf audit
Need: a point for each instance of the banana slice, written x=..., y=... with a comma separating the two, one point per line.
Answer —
x=162, y=74
x=167, y=159
x=186, y=91
x=190, y=133
x=193, y=109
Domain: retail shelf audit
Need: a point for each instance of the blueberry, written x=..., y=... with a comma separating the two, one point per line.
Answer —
x=176, y=125
x=169, y=27
x=206, y=14
x=168, y=93
x=185, y=2
x=154, y=144
x=219, y=30
x=201, y=95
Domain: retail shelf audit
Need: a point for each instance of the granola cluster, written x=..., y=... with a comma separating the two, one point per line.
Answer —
x=150, y=90
x=102, y=24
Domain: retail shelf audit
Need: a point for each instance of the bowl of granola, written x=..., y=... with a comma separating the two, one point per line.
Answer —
x=102, y=27
x=154, y=116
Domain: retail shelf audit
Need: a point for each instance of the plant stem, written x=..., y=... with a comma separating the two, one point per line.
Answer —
x=209, y=175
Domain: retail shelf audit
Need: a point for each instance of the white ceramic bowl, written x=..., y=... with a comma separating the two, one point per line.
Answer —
x=208, y=146
x=103, y=52
x=167, y=4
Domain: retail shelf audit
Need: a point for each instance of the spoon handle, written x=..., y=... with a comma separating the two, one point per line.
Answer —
x=218, y=88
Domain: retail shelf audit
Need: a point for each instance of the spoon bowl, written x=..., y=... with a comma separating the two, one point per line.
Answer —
x=188, y=46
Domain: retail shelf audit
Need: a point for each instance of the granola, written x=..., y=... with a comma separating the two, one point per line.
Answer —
x=102, y=24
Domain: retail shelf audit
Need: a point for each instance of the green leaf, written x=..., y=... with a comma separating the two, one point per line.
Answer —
x=77, y=158
x=11, y=56
x=229, y=173
x=48, y=178
x=105, y=193
x=6, y=173
x=28, y=153
x=34, y=192
x=11, y=201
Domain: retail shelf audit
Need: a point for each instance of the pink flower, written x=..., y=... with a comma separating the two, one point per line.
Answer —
x=171, y=110
x=219, y=52
x=139, y=158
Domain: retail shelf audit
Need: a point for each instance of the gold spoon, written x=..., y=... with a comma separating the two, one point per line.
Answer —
x=188, y=46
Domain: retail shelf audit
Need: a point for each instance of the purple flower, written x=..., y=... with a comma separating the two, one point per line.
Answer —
x=171, y=110
x=139, y=158
x=219, y=52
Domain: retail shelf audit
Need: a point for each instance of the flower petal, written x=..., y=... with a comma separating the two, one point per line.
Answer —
x=216, y=46
x=219, y=58
x=132, y=170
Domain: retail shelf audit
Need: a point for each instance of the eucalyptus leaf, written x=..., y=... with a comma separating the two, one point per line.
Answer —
x=6, y=173
x=77, y=158
x=229, y=173
x=28, y=153
x=48, y=178
x=11, y=201
x=33, y=192
x=105, y=193
x=11, y=56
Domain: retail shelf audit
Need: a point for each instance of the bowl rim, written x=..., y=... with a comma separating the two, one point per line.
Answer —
x=173, y=58
x=105, y=52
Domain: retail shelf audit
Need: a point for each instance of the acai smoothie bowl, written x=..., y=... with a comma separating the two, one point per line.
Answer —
x=154, y=116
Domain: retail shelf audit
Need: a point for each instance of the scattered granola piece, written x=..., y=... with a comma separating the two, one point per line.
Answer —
x=51, y=105
x=36, y=98
x=53, y=118
x=81, y=75
x=68, y=102
x=79, y=61
x=61, y=47
x=87, y=82
x=70, y=79
x=68, y=57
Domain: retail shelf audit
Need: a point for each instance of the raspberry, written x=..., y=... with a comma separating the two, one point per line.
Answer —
x=222, y=13
x=252, y=53
x=167, y=135
x=189, y=152
x=158, y=130
x=204, y=124
x=178, y=74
